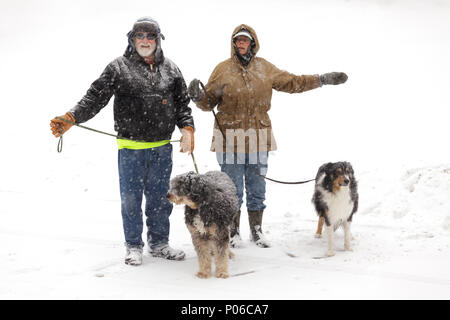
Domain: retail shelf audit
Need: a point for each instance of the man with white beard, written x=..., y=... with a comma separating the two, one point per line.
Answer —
x=150, y=99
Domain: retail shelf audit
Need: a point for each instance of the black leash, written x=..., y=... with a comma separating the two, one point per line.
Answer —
x=60, y=142
x=225, y=139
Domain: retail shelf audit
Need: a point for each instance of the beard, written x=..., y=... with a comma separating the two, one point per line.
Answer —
x=146, y=51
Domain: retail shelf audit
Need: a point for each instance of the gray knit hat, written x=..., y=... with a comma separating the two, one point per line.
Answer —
x=146, y=24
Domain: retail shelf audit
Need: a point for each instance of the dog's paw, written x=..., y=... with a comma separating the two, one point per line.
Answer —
x=348, y=248
x=317, y=236
x=222, y=274
x=202, y=275
x=330, y=253
x=231, y=255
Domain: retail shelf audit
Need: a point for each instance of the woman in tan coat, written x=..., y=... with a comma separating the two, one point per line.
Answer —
x=241, y=87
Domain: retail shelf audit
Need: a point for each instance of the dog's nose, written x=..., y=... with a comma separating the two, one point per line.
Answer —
x=346, y=181
x=167, y=195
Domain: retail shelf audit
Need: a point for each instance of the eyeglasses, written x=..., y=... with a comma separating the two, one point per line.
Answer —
x=242, y=39
x=142, y=35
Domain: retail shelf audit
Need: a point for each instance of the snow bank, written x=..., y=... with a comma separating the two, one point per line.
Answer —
x=416, y=198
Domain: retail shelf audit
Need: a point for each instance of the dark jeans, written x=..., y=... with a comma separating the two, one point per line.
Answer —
x=145, y=172
x=242, y=169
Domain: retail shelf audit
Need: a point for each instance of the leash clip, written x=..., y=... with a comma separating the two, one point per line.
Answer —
x=60, y=141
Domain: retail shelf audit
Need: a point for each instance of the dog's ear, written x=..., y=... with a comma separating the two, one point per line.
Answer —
x=323, y=169
x=199, y=189
x=348, y=168
x=326, y=167
x=329, y=167
x=328, y=170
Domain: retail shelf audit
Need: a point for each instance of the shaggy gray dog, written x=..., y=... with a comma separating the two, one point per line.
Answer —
x=211, y=203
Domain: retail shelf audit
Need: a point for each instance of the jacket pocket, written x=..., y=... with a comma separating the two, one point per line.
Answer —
x=227, y=121
x=265, y=121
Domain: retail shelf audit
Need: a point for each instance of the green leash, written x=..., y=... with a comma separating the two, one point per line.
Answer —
x=59, y=147
x=195, y=164
x=102, y=132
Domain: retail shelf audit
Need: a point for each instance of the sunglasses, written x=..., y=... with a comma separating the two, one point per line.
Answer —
x=142, y=35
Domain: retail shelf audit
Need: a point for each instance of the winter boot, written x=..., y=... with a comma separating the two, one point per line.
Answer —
x=255, y=222
x=133, y=256
x=235, y=238
x=167, y=252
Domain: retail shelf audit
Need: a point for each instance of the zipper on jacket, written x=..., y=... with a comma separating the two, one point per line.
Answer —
x=151, y=74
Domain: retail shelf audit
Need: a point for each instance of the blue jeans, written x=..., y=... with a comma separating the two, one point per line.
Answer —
x=242, y=169
x=145, y=172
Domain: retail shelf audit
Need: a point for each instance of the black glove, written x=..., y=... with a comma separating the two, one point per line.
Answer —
x=333, y=78
x=194, y=91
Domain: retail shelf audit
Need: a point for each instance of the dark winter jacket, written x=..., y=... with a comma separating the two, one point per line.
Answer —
x=148, y=101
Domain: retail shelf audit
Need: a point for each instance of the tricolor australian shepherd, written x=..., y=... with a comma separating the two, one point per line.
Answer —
x=335, y=200
x=211, y=203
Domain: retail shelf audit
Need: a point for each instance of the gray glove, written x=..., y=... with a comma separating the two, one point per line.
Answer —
x=333, y=78
x=194, y=91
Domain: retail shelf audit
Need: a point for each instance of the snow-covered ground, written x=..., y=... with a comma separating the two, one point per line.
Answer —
x=60, y=230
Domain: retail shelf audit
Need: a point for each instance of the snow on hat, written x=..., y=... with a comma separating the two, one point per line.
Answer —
x=147, y=24
x=243, y=32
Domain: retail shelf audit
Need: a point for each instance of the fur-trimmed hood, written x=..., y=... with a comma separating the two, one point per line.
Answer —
x=254, y=47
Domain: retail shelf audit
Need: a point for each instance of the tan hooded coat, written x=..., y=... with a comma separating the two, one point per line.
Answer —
x=243, y=98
